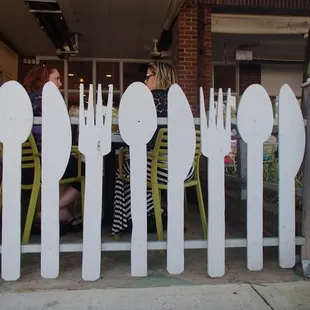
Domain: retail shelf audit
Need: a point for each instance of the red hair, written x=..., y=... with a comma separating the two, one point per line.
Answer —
x=37, y=77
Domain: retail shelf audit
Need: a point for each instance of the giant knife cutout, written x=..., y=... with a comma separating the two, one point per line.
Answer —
x=292, y=142
x=181, y=152
x=56, y=149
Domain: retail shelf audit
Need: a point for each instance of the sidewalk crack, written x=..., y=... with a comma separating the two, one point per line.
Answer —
x=262, y=297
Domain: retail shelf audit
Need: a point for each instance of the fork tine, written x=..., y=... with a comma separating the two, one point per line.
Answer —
x=211, y=118
x=99, y=110
x=82, y=113
x=219, y=119
x=108, y=118
x=90, y=108
x=228, y=111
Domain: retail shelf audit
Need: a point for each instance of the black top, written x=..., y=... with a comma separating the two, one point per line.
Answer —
x=161, y=104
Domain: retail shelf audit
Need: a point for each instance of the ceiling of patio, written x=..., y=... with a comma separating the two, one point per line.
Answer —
x=109, y=28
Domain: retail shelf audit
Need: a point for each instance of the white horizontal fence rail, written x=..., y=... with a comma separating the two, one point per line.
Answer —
x=155, y=245
x=137, y=124
x=160, y=121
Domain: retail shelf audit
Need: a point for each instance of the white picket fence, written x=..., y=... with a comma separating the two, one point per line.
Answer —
x=137, y=124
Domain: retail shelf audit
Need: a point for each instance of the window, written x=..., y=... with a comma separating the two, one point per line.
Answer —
x=120, y=74
x=134, y=72
x=108, y=73
x=79, y=72
x=225, y=76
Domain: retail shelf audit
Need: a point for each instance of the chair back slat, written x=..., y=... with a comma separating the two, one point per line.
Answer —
x=30, y=153
x=160, y=153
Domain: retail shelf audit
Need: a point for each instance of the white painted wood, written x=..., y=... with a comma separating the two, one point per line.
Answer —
x=94, y=143
x=216, y=144
x=56, y=149
x=181, y=151
x=137, y=125
x=155, y=245
x=255, y=122
x=15, y=125
x=160, y=121
x=292, y=141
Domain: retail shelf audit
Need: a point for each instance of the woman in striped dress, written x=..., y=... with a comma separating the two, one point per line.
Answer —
x=159, y=77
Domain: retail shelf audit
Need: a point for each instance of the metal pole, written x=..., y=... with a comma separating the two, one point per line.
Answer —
x=66, y=81
x=305, y=251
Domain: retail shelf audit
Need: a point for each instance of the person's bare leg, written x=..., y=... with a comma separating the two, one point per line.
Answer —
x=69, y=195
x=65, y=215
x=62, y=188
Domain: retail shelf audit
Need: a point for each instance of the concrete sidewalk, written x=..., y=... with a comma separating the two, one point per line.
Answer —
x=276, y=296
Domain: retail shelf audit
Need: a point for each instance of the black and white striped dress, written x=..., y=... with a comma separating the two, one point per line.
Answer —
x=122, y=201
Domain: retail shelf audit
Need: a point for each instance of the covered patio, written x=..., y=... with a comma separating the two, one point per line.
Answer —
x=112, y=43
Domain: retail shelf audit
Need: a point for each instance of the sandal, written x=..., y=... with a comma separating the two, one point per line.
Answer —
x=36, y=229
x=75, y=225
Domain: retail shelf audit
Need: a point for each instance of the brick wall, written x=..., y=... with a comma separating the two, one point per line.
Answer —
x=186, y=51
x=205, y=49
x=249, y=74
x=192, y=50
x=192, y=44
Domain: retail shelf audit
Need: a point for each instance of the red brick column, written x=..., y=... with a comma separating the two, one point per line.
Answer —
x=205, y=49
x=192, y=50
x=185, y=41
x=249, y=74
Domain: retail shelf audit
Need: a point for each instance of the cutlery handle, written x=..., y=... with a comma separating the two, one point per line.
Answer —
x=175, y=229
x=216, y=217
x=92, y=217
x=286, y=220
x=138, y=188
x=11, y=212
x=255, y=206
x=49, y=226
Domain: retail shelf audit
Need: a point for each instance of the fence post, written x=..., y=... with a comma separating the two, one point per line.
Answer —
x=305, y=251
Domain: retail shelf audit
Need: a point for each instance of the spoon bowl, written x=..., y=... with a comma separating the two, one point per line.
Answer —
x=137, y=118
x=255, y=115
x=16, y=114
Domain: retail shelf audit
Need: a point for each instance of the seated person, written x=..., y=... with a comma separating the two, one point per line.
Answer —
x=33, y=83
x=159, y=77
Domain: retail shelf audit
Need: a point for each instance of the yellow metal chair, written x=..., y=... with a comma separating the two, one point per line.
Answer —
x=160, y=160
x=31, y=160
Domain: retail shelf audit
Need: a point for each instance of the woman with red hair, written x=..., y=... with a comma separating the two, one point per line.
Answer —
x=33, y=83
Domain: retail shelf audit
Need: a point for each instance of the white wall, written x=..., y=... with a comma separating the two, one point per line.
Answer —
x=275, y=75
